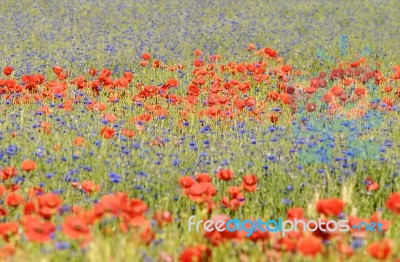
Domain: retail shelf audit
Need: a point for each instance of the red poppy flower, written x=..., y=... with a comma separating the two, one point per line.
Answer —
x=273, y=95
x=38, y=231
x=327, y=98
x=147, y=235
x=135, y=208
x=100, y=106
x=128, y=133
x=28, y=165
x=104, y=74
x=123, y=82
x=330, y=207
x=29, y=208
x=143, y=118
x=146, y=56
x=8, y=172
x=62, y=76
x=393, y=203
x=198, y=63
x=107, y=132
x=57, y=70
x=8, y=229
x=7, y=70
x=128, y=75
x=48, y=204
x=274, y=118
x=110, y=118
x=186, y=181
x=215, y=237
x=232, y=204
x=235, y=192
x=250, y=183
x=337, y=90
x=203, y=177
x=310, y=246
x=89, y=187
x=225, y=174
x=75, y=227
x=202, y=192
x=7, y=251
x=295, y=212
x=310, y=107
x=371, y=185
x=3, y=212
x=197, y=52
x=286, y=98
x=290, y=90
x=92, y=71
x=344, y=249
x=14, y=199
x=172, y=82
x=111, y=204
x=381, y=250
x=3, y=190
x=143, y=63
x=163, y=218
x=360, y=91
x=310, y=90
x=376, y=217
x=270, y=52
x=289, y=242
x=79, y=141
x=257, y=235
x=251, y=47
x=199, y=253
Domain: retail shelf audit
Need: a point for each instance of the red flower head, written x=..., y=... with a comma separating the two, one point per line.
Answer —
x=75, y=227
x=203, y=177
x=48, y=204
x=371, y=185
x=186, y=182
x=7, y=251
x=8, y=172
x=197, y=52
x=7, y=70
x=200, y=253
x=128, y=133
x=295, y=212
x=107, y=132
x=202, y=192
x=330, y=207
x=92, y=71
x=225, y=174
x=393, y=203
x=89, y=187
x=57, y=70
x=251, y=47
x=310, y=246
x=250, y=183
x=381, y=250
x=38, y=231
x=163, y=218
x=146, y=56
x=110, y=118
x=28, y=165
x=14, y=199
x=8, y=229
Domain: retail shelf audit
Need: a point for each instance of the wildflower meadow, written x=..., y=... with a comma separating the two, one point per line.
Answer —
x=143, y=130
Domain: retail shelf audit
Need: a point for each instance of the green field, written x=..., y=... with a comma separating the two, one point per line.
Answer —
x=110, y=110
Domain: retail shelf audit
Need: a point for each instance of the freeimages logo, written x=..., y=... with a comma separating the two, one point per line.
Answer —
x=283, y=226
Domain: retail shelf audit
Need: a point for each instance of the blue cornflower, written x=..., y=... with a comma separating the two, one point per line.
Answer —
x=114, y=177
